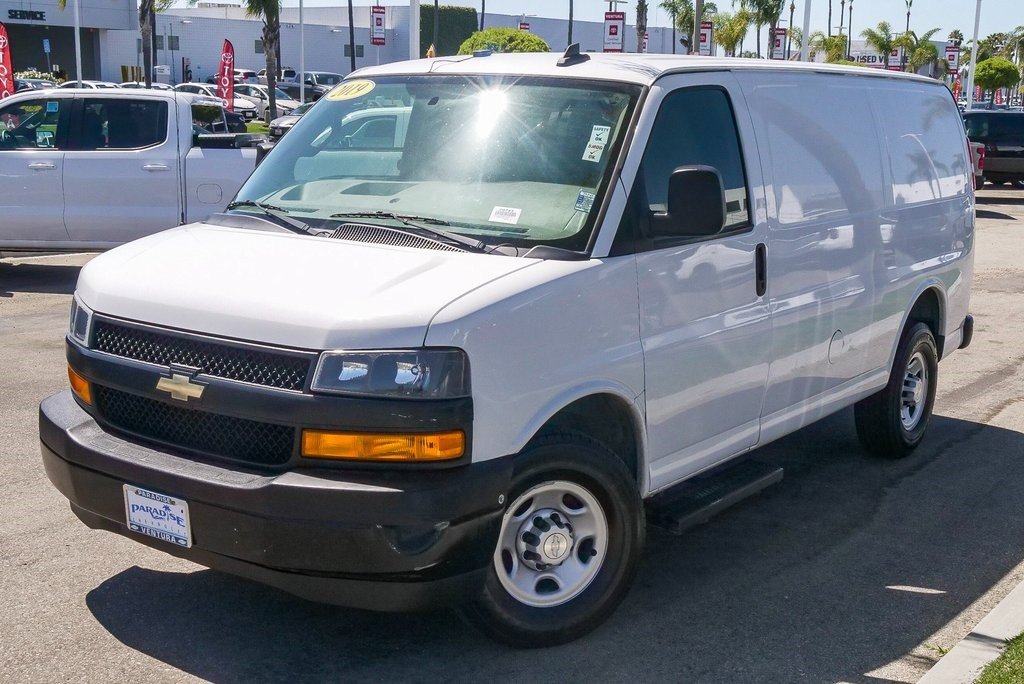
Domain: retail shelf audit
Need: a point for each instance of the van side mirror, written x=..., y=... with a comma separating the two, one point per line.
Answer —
x=696, y=204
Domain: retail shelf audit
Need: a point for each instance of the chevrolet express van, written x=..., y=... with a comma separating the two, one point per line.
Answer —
x=450, y=367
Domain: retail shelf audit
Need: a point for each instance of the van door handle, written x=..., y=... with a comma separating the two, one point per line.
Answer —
x=41, y=166
x=155, y=167
x=761, y=268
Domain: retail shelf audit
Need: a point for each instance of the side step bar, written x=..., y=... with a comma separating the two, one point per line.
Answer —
x=697, y=500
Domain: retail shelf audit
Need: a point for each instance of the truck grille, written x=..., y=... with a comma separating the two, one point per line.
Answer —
x=222, y=360
x=238, y=439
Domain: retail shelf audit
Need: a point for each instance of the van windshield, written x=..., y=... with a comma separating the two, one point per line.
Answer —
x=510, y=161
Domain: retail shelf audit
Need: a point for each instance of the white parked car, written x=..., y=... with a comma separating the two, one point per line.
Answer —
x=287, y=74
x=88, y=85
x=258, y=95
x=240, y=105
x=140, y=84
x=450, y=365
x=92, y=169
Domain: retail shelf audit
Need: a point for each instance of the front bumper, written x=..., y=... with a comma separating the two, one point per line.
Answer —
x=379, y=540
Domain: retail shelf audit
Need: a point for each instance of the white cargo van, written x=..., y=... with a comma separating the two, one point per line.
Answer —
x=451, y=366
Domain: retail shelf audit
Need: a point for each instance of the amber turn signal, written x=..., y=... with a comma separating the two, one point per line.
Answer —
x=360, y=446
x=80, y=386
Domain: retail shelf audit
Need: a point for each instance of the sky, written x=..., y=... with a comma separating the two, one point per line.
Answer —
x=996, y=15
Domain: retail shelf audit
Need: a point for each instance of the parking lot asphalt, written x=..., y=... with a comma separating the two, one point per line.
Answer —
x=850, y=570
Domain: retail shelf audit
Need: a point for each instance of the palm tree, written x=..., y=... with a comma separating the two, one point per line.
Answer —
x=730, y=29
x=685, y=19
x=269, y=11
x=641, y=24
x=906, y=32
x=920, y=51
x=673, y=7
x=882, y=39
x=834, y=47
x=829, y=17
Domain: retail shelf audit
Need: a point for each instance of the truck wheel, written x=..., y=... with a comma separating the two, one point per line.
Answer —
x=892, y=422
x=568, y=548
x=979, y=182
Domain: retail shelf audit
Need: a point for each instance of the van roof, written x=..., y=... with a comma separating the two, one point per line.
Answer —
x=623, y=67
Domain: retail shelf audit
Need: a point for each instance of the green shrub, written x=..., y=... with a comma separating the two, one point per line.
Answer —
x=503, y=40
x=455, y=25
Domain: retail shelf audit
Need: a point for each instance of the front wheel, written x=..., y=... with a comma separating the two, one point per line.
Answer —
x=568, y=547
x=892, y=422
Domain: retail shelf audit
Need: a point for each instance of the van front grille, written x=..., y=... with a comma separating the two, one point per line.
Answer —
x=211, y=434
x=232, y=361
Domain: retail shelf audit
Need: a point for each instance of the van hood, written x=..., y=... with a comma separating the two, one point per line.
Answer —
x=283, y=288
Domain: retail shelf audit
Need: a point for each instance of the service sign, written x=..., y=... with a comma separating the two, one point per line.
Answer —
x=707, y=31
x=647, y=40
x=377, y=27
x=779, y=46
x=524, y=26
x=614, y=31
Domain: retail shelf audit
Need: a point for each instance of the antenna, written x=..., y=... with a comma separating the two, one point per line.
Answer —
x=572, y=56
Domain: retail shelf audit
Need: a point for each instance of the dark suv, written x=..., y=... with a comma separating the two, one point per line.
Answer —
x=1002, y=134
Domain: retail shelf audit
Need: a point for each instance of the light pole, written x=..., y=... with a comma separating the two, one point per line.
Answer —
x=414, y=29
x=483, y=11
x=903, y=52
x=805, y=48
x=78, y=44
x=789, y=32
x=849, y=34
x=974, y=57
x=570, y=24
x=302, y=61
x=351, y=40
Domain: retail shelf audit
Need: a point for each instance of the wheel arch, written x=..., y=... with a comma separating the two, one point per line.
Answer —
x=928, y=306
x=607, y=413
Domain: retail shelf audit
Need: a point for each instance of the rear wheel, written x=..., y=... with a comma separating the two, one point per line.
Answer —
x=892, y=422
x=568, y=548
x=979, y=182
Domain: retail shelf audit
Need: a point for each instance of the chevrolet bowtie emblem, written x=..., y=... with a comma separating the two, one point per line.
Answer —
x=180, y=387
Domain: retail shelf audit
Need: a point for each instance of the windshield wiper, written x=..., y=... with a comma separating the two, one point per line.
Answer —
x=276, y=212
x=418, y=222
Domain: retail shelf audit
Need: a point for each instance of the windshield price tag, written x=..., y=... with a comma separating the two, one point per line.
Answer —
x=505, y=215
x=350, y=90
x=598, y=141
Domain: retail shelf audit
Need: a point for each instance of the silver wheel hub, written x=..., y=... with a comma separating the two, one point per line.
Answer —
x=552, y=544
x=915, y=391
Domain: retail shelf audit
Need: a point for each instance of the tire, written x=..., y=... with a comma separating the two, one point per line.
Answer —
x=573, y=485
x=887, y=425
x=979, y=182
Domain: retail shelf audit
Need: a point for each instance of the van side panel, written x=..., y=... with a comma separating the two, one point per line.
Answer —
x=825, y=191
x=928, y=226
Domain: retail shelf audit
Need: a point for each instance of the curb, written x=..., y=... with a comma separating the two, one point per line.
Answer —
x=985, y=643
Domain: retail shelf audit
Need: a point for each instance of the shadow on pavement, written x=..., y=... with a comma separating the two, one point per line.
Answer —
x=37, y=277
x=986, y=214
x=1004, y=197
x=812, y=580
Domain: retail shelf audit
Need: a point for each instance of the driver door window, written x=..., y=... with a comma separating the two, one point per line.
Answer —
x=32, y=125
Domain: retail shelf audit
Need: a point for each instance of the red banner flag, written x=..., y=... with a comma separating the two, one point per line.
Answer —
x=6, y=71
x=226, y=76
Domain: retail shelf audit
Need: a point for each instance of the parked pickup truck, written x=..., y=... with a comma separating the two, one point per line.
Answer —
x=91, y=169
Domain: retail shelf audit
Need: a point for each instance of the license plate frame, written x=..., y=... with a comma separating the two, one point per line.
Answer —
x=157, y=515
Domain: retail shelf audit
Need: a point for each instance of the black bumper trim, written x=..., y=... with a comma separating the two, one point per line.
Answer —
x=967, y=333
x=399, y=540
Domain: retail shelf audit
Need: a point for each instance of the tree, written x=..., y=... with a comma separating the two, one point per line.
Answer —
x=834, y=47
x=730, y=29
x=995, y=73
x=685, y=20
x=881, y=39
x=641, y=24
x=763, y=12
x=674, y=8
x=920, y=51
x=503, y=40
x=269, y=11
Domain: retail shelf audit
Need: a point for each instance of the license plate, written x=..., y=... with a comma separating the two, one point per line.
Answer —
x=157, y=515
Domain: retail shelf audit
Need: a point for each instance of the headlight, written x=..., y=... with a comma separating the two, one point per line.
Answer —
x=405, y=374
x=81, y=318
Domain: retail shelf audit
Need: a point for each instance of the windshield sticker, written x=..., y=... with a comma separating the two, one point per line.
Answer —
x=598, y=141
x=505, y=215
x=51, y=107
x=585, y=201
x=351, y=89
